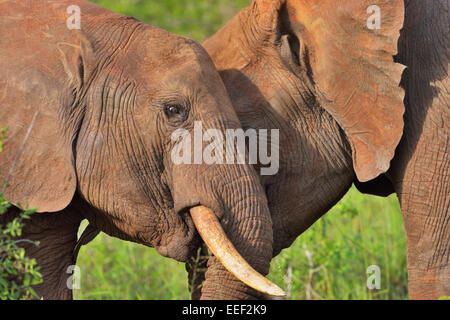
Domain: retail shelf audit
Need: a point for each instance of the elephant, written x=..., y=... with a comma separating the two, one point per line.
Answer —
x=91, y=112
x=354, y=104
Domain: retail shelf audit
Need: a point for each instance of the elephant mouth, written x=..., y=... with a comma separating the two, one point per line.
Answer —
x=212, y=233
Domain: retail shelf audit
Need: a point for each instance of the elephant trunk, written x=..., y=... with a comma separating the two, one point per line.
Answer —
x=229, y=200
x=253, y=240
x=247, y=223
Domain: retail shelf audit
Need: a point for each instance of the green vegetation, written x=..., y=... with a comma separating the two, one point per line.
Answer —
x=330, y=260
x=195, y=19
x=17, y=272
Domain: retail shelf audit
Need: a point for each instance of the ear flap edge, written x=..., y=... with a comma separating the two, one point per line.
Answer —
x=355, y=75
x=37, y=160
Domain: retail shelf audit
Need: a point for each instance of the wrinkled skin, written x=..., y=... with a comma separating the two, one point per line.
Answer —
x=90, y=115
x=330, y=85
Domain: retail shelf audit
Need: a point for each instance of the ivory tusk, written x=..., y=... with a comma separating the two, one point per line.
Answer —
x=212, y=233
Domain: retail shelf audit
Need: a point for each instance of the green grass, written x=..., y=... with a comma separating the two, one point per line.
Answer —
x=195, y=19
x=116, y=269
x=358, y=232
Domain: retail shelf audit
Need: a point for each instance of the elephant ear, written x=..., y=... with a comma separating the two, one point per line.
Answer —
x=38, y=88
x=35, y=163
x=351, y=63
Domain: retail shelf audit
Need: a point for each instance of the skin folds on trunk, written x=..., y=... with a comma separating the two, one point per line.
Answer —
x=241, y=207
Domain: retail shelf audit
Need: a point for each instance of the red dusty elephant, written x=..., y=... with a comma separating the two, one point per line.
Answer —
x=91, y=111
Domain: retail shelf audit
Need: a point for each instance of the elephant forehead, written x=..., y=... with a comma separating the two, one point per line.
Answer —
x=185, y=77
x=157, y=48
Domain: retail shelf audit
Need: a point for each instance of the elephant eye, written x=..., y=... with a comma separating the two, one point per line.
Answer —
x=175, y=113
x=174, y=109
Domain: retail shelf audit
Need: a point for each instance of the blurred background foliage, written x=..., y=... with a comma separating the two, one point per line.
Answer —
x=329, y=261
x=195, y=19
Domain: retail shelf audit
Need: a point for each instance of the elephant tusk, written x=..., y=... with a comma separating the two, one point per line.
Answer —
x=212, y=233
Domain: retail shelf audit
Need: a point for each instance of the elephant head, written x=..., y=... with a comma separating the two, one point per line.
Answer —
x=324, y=74
x=91, y=116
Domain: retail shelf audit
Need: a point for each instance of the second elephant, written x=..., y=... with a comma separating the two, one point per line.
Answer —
x=325, y=76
